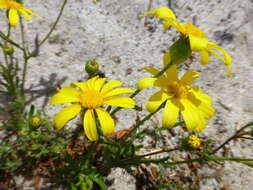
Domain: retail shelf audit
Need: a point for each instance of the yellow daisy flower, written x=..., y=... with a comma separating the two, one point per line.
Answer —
x=194, y=105
x=198, y=41
x=90, y=96
x=14, y=10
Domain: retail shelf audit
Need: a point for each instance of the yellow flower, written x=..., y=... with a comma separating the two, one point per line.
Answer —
x=91, y=95
x=194, y=105
x=14, y=10
x=194, y=141
x=198, y=41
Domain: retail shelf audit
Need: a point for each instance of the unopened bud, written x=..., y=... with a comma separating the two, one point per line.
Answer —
x=19, y=1
x=34, y=134
x=35, y=121
x=194, y=141
x=8, y=49
x=91, y=67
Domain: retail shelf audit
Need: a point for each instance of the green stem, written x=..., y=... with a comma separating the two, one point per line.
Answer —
x=138, y=91
x=232, y=137
x=141, y=122
x=157, y=152
x=25, y=58
x=183, y=162
x=248, y=138
x=231, y=159
x=6, y=38
x=55, y=23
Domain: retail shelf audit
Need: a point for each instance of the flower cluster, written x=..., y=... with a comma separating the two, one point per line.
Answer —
x=177, y=94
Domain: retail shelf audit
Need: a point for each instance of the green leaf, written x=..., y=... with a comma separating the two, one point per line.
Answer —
x=180, y=51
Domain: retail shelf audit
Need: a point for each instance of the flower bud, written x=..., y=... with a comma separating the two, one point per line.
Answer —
x=8, y=49
x=194, y=141
x=35, y=121
x=91, y=67
x=34, y=134
x=23, y=132
x=19, y=1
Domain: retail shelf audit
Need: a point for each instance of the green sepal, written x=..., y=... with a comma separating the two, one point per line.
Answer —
x=180, y=51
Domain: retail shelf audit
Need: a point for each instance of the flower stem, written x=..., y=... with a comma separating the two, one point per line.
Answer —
x=237, y=134
x=141, y=122
x=55, y=23
x=138, y=91
x=158, y=152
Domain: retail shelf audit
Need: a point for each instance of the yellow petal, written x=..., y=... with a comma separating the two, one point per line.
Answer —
x=175, y=24
x=110, y=85
x=106, y=121
x=151, y=70
x=190, y=114
x=66, y=95
x=91, y=82
x=189, y=77
x=81, y=85
x=89, y=124
x=198, y=44
x=146, y=82
x=201, y=125
x=191, y=30
x=23, y=12
x=172, y=73
x=99, y=83
x=162, y=13
x=66, y=114
x=204, y=57
x=204, y=106
x=154, y=71
x=227, y=58
x=166, y=58
x=13, y=17
x=170, y=113
x=118, y=91
x=28, y=11
x=3, y=4
x=156, y=100
x=124, y=102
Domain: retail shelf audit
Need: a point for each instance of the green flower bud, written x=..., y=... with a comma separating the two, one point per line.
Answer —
x=23, y=132
x=35, y=147
x=91, y=67
x=35, y=134
x=19, y=1
x=8, y=49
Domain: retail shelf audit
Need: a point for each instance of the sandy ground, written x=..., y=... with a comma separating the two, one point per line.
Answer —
x=113, y=33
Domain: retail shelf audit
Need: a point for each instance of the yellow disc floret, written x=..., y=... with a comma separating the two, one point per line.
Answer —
x=91, y=99
x=178, y=90
x=190, y=29
x=194, y=141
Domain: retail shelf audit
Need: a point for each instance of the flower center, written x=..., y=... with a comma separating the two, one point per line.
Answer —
x=91, y=99
x=178, y=90
x=190, y=29
x=13, y=5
